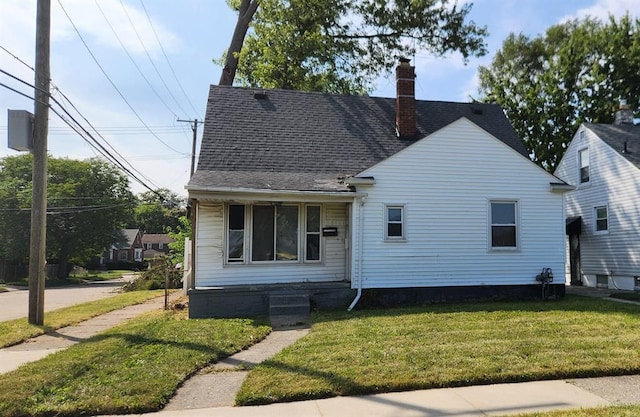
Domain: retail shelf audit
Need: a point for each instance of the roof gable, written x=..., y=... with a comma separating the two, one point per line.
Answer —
x=259, y=142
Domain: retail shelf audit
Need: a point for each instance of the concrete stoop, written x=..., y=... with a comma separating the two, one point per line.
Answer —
x=289, y=309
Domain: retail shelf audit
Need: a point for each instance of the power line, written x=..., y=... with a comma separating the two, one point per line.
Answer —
x=133, y=61
x=167, y=58
x=150, y=59
x=16, y=58
x=111, y=81
x=96, y=145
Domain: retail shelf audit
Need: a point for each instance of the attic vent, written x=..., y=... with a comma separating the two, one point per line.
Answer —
x=260, y=95
x=476, y=110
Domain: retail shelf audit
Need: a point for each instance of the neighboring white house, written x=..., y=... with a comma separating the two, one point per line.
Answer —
x=603, y=162
x=349, y=196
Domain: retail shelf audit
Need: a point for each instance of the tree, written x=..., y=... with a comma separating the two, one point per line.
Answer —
x=179, y=234
x=156, y=211
x=576, y=72
x=341, y=46
x=87, y=202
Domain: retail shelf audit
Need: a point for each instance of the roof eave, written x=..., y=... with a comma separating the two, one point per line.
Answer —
x=235, y=193
x=561, y=187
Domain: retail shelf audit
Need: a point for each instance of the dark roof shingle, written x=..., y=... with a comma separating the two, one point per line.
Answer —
x=259, y=143
x=616, y=136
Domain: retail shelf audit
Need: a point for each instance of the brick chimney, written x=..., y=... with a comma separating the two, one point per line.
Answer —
x=624, y=115
x=405, y=100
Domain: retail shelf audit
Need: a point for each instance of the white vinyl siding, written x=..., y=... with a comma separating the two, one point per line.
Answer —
x=453, y=175
x=614, y=184
x=212, y=270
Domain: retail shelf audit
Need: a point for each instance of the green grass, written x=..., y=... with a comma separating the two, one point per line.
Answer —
x=3, y=289
x=102, y=275
x=19, y=330
x=133, y=368
x=613, y=411
x=374, y=351
x=630, y=296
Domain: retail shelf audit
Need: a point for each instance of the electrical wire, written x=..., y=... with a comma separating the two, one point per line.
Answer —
x=111, y=81
x=133, y=61
x=167, y=58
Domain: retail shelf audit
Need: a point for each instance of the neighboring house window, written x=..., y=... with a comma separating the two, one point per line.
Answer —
x=160, y=245
x=394, y=229
x=138, y=254
x=235, y=250
x=583, y=163
x=503, y=225
x=273, y=233
x=602, y=219
x=312, y=238
x=122, y=255
x=149, y=245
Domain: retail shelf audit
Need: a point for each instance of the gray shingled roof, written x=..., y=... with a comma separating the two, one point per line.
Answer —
x=293, y=140
x=616, y=135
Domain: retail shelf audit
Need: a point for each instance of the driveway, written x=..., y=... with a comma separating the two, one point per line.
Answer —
x=15, y=303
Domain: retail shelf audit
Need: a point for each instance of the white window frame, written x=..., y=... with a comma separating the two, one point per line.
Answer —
x=402, y=222
x=595, y=219
x=581, y=157
x=160, y=245
x=516, y=225
x=247, y=253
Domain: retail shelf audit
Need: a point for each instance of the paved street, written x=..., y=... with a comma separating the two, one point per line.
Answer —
x=15, y=303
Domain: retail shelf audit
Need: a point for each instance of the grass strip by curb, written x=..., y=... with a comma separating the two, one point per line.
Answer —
x=19, y=330
x=133, y=368
x=612, y=411
x=434, y=346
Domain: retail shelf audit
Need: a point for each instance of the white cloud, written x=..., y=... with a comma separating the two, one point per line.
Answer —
x=601, y=9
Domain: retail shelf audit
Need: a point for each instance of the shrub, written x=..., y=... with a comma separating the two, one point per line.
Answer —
x=154, y=277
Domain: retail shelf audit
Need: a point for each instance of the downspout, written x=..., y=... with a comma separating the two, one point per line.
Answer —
x=360, y=232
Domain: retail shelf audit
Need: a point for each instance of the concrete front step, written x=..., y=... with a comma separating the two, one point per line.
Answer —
x=289, y=309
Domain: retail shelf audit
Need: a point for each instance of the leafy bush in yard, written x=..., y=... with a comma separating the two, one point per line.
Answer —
x=154, y=277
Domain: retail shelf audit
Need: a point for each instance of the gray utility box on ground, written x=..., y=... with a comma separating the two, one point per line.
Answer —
x=20, y=130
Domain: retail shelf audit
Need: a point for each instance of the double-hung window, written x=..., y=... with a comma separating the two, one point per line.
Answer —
x=395, y=222
x=504, y=226
x=602, y=219
x=583, y=165
x=273, y=233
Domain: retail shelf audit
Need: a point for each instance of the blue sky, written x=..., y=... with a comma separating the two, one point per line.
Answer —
x=157, y=82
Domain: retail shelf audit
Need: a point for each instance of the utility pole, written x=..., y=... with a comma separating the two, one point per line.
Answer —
x=38, y=234
x=194, y=128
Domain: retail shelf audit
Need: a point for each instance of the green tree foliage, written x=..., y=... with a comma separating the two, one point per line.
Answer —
x=157, y=211
x=576, y=72
x=87, y=201
x=179, y=234
x=341, y=46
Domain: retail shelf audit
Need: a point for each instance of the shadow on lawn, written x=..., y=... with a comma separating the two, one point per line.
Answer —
x=571, y=303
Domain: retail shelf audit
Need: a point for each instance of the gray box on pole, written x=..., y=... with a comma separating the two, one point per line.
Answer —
x=20, y=130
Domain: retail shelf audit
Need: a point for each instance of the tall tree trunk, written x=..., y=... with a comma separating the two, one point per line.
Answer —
x=245, y=14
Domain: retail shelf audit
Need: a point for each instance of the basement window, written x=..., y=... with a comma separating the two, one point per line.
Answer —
x=602, y=281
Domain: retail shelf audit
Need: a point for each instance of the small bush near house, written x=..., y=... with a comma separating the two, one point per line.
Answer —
x=154, y=278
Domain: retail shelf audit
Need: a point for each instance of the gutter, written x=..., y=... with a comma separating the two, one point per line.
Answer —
x=360, y=252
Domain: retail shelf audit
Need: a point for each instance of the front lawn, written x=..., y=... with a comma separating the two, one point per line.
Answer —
x=613, y=411
x=133, y=368
x=372, y=351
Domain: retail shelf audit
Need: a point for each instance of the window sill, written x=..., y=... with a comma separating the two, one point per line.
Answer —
x=504, y=250
x=395, y=240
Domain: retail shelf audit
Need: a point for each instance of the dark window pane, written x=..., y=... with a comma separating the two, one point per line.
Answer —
x=236, y=217
x=503, y=236
x=584, y=174
x=313, y=247
x=394, y=214
x=287, y=233
x=394, y=230
x=503, y=213
x=236, y=244
x=602, y=225
x=262, y=238
x=313, y=219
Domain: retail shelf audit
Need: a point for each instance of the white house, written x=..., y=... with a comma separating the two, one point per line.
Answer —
x=603, y=162
x=350, y=199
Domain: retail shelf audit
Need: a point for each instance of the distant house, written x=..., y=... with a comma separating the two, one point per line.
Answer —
x=337, y=198
x=603, y=213
x=155, y=244
x=128, y=247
